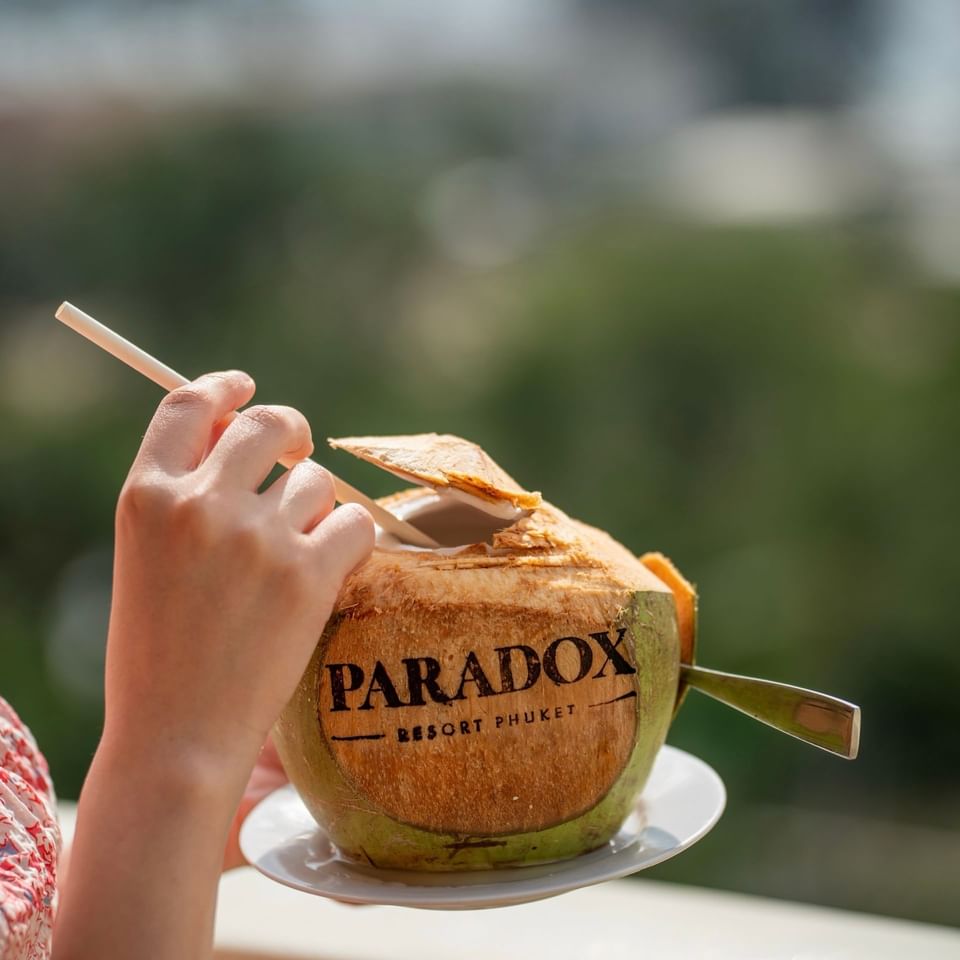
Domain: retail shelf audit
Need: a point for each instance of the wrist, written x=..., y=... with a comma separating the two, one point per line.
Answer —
x=166, y=767
x=152, y=826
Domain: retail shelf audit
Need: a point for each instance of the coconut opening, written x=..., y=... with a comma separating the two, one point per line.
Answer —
x=455, y=519
x=467, y=499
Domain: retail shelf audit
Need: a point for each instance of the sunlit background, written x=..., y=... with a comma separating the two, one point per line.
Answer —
x=691, y=269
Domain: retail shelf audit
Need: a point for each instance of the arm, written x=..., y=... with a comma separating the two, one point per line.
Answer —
x=220, y=594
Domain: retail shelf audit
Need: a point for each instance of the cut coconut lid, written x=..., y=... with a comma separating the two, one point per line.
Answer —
x=444, y=462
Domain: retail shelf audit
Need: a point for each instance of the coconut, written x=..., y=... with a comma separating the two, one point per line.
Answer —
x=496, y=701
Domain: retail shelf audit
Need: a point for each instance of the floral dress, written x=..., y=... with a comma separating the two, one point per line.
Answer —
x=29, y=844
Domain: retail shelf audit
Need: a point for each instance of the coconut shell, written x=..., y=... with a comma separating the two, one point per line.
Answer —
x=685, y=597
x=440, y=461
x=494, y=705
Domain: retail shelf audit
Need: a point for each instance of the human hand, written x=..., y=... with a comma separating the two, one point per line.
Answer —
x=267, y=775
x=219, y=596
x=220, y=592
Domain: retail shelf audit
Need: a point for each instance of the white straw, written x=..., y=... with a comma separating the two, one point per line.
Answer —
x=122, y=349
x=169, y=379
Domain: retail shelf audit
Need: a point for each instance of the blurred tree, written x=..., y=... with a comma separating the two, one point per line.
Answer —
x=775, y=408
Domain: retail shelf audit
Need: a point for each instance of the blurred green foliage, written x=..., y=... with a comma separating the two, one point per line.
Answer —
x=775, y=408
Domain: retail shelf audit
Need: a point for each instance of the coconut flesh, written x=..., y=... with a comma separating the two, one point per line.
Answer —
x=496, y=701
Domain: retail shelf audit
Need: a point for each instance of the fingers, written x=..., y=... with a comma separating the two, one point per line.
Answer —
x=180, y=431
x=269, y=758
x=343, y=540
x=304, y=495
x=255, y=441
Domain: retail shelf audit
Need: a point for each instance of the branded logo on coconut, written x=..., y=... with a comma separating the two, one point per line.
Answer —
x=470, y=688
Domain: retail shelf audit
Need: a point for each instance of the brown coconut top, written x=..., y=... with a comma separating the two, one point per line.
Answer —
x=440, y=460
x=542, y=545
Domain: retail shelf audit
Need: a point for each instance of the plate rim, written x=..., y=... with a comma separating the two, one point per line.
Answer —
x=498, y=893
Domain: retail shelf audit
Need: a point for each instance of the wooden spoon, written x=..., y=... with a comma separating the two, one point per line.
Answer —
x=169, y=379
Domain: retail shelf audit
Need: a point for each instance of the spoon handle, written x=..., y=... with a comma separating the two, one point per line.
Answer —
x=824, y=721
x=169, y=379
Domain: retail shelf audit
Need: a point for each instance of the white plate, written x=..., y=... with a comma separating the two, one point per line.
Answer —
x=683, y=799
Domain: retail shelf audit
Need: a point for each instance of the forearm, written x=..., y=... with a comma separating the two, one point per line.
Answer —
x=146, y=858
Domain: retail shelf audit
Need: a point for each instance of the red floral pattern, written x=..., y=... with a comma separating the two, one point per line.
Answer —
x=29, y=844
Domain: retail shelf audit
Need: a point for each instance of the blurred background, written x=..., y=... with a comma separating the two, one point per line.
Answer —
x=692, y=269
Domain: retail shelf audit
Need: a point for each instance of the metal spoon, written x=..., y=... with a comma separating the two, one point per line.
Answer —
x=816, y=718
